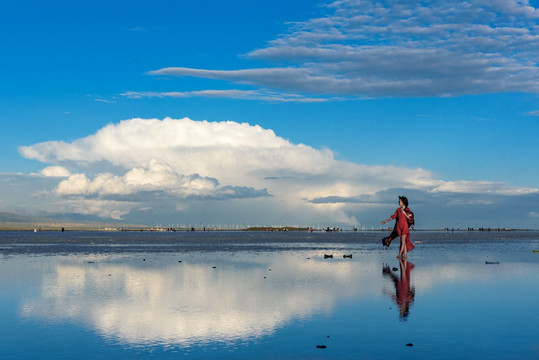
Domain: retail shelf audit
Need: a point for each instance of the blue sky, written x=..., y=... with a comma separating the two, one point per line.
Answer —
x=307, y=113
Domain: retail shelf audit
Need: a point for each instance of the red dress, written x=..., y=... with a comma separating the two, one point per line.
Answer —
x=401, y=228
x=402, y=222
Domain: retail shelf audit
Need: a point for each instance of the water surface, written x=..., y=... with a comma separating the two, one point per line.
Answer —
x=268, y=295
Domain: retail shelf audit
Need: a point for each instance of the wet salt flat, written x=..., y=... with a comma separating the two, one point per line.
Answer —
x=268, y=295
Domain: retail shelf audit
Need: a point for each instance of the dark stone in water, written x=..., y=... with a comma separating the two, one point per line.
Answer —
x=347, y=256
x=492, y=262
x=328, y=256
x=409, y=344
x=321, y=346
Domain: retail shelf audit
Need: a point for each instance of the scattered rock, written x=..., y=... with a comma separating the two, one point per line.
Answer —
x=492, y=262
x=214, y=267
x=347, y=256
x=328, y=256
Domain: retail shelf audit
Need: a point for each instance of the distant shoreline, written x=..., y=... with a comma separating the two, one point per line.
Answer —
x=143, y=228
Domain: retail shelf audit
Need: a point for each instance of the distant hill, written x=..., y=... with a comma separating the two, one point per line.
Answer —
x=13, y=217
x=10, y=220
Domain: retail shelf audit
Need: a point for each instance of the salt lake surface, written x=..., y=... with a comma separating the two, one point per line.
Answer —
x=245, y=295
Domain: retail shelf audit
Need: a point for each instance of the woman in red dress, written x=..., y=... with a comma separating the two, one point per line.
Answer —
x=404, y=216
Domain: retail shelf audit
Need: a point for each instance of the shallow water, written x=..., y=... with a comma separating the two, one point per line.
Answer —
x=268, y=295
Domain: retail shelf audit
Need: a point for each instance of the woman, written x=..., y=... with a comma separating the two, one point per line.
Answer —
x=404, y=216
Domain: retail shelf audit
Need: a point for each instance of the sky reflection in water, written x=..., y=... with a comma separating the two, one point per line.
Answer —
x=271, y=304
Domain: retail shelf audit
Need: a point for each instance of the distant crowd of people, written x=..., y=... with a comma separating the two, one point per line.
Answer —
x=479, y=229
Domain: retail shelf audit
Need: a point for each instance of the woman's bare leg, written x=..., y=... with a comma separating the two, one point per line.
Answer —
x=403, y=250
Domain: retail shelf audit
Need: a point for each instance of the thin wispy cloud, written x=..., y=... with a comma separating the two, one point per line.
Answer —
x=138, y=29
x=389, y=48
x=105, y=101
x=228, y=94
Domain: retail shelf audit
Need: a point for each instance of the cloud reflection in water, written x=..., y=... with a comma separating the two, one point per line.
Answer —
x=161, y=301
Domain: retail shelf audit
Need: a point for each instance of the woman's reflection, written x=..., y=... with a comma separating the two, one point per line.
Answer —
x=404, y=294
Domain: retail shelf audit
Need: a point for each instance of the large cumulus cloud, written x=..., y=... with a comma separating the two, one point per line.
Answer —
x=225, y=172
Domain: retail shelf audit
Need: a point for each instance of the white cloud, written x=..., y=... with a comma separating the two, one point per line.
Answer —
x=102, y=208
x=229, y=172
x=389, y=48
x=186, y=159
x=55, y=171
x=475, y=187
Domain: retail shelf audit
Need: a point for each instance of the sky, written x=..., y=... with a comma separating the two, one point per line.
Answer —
x=271, y=113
